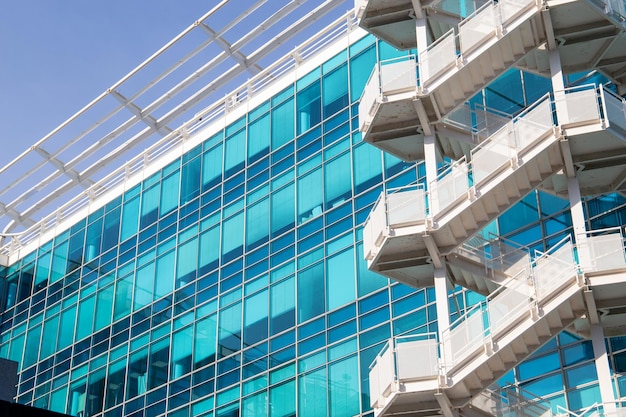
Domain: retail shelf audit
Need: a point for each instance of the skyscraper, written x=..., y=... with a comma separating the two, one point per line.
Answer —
x=224, y=271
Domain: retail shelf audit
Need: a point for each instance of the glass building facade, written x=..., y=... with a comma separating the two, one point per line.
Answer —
x=232, y=281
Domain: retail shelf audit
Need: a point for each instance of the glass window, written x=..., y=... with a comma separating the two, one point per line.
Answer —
x=144, y=283
x=257, y=224
x=150, y=205
x=209, y=250
x=312, y=394
x=310, y=195
x=255, y=318
x=283, y=209
x=230, y=330
x=235, y=153
x=283, y=400
x=190, y=182
x=182, y=347
x=130, y=216
x=335, y=90
x=309, y=110
x=310, y=291
x=85, y=317
x=169, y=193
x=204, y=341
x=212, y=167
x=337, y=180
x=361, y=67
x=344, y=397
x=187, y=261
x=232, y=238
x=258, y=138
x=104, y=308
x=340, y=279
x=282, y=124
x=282, y=305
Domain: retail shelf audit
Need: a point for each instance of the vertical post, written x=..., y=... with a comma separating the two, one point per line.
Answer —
x=603, y=370
x=558, y=85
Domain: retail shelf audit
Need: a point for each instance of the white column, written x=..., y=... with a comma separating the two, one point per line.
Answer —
x=558, y=85
x=578, y=222
x=430, y=160
x=602, y=367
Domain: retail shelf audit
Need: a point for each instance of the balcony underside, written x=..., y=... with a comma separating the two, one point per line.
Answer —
x=599, y=159
x=586, y=39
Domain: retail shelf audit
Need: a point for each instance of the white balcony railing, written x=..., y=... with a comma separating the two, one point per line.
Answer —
x=389, y=77
x=486, y=22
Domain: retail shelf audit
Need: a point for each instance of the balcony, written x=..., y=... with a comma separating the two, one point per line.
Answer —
x=549, y=295
x=387, y=109
x=523, y=155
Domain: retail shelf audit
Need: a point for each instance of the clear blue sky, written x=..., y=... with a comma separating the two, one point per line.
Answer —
x=58, y=55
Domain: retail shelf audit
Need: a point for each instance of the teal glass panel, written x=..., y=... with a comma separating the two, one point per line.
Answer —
x=361, y=67
x=581, y=375
x=337, y=180
x=367, y=167
x=283, y=124
x=506, y=93
x=255, y=320
x=204, y=342
x=50, y=332
x=259, y=138
x=116, y=381
x=111, y=232
x=230, y=330
x=17, y=349
x=283, y=400
x=310, y=197
x=232, y=237
x=42, y=272
x=31, y=348
x=535, y=86
x=310, y=292
x=104, y=308
x=255, y=405
x=335, y=90
x=367, y=281
x=283, y=305
x=130, y=218
x=257, y=224
x=137, y=382
x=169, y=193
x=78, y=397
x=344, y=397
x=93, y=241
x=282, y=210
x=235, y=153
x=521, y=214
x=187, y=260
x=158, y=363
x=164, y=282
x=313, y=394
x=308, y=107
x=123, y=297
x=182, y=348
x=583, y=397
x=150, y=205
x=212, y=167
x=144, y=283
x=84, y=325
x=190, y=181
x=545, y=385
x=66, y=328
x=58, y=400
x=209, y=250
x=59, y=262
x=340, y=288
